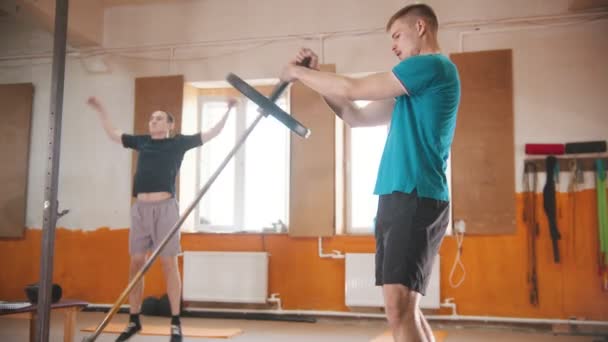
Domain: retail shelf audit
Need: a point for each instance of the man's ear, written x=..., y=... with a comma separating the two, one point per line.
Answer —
x=420, y=27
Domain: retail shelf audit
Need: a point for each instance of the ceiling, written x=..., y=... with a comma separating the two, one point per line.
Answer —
x=113, y=3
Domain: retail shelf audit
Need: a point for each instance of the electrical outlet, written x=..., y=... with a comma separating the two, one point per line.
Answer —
x=460, y=226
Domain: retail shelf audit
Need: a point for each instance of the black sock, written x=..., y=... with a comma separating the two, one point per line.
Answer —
x=135, y=319
x=132, y=328
x=175, y=320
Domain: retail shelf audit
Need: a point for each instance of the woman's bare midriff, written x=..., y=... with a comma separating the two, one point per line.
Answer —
x=153, y=196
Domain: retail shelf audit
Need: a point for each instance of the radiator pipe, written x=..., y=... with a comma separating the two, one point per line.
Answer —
x=274, y=298
x=334, y=254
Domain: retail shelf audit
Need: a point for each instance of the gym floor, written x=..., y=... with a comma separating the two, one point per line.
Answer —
x=325, y=330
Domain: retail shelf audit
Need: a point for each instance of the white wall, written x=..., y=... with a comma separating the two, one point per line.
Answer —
x=560, y=85
x=19, y=38
x=255, y=38
x=217, y=20
x=94, y=172
x=559, y=75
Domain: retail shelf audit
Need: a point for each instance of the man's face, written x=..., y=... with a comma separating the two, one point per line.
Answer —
x=159, y=123
x=406, y=37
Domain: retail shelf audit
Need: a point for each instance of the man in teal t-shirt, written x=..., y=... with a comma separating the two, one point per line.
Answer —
x=422, y=128
x=420, y=99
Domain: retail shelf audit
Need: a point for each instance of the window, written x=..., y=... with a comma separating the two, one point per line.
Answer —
x=364, y=146
x=252, y=192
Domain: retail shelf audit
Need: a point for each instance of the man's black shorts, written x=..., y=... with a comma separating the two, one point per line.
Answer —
x=409, y=231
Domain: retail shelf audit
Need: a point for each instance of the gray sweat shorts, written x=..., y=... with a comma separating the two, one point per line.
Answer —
x=150, y=223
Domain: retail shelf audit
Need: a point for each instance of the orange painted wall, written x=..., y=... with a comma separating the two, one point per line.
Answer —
x=93, y=266
x=497, y=267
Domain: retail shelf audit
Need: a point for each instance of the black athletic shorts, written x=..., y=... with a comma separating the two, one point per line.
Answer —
x=409, y=231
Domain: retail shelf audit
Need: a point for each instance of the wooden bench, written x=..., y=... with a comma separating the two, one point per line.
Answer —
x=69, y=308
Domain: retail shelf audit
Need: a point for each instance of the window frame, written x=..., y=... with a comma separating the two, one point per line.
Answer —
x=221, y=94
x=344, y=180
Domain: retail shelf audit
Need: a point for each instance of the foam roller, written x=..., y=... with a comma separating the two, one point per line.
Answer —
x=586, y=147
x=545, y=149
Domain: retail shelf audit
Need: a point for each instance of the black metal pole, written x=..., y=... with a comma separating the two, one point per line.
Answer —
x=52, y=171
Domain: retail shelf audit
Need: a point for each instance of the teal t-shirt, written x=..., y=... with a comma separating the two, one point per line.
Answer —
x=422, y=128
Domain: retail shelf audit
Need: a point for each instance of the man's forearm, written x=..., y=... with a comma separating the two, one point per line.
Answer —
x=328, y=84
x=340, y=93
x=215, y=130
x=374, y=87
x=210, y=134
x=335, y=90
x=108, y=127
x=344, y=109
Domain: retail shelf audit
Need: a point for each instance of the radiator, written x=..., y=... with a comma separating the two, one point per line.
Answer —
x=360, y=283
x=232, y=277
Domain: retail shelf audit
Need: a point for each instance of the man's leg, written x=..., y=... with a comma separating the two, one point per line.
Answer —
x=173, y=281
x=428, y=332
x=396, y=245
x=174, y=289
x=168, y=215
x=403, y=313
x=135, y=298
x=436, y=228
x=139, y=243
x=411, y=234
x=136, y=295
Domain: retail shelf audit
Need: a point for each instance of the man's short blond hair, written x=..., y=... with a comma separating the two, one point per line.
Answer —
x=416, y=10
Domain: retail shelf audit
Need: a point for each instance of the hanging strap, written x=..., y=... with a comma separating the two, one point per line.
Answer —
x=530, y=186
x=550, y=205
